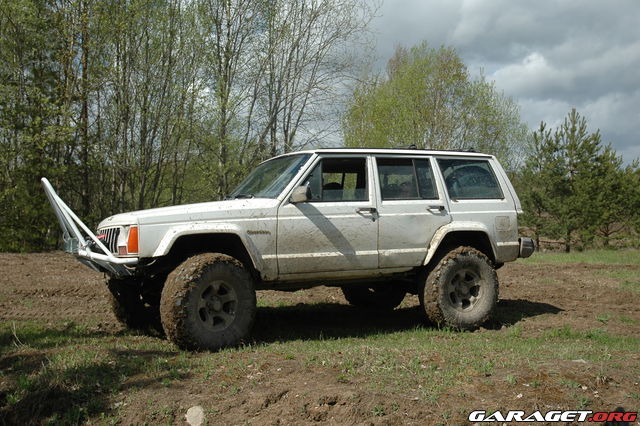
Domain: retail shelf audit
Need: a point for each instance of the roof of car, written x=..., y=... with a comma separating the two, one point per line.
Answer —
x=402, y=151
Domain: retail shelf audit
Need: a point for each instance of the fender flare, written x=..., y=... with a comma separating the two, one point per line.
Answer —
x=450, y=227
x=175, y=232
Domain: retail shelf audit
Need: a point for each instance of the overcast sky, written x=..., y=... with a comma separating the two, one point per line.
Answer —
x=550, y=56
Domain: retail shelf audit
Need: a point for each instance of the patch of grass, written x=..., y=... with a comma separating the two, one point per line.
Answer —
x=627, y=279
x=571, y=384
x=514, y=331
x=631, y=285
x=603, y=318
x=608, y=257
x=342, y=378
x=69, y=371
x=583, y=402
x=378, y=411
x=599, y=335
x=78, y=370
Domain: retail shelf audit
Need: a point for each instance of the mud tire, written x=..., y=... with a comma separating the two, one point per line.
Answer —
x=461, y=291
x=380, y=297
x=208, y=303
x=133, y=307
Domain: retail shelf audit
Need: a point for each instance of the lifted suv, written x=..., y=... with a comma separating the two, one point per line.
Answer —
x=378, y=223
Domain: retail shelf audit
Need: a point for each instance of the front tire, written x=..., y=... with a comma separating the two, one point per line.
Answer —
x=208, y=302
x=380, y=297
x=133, y=305
x=462, y=290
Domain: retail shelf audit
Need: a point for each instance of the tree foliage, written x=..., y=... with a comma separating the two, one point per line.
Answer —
x=428, y=98
x=575, y=188
x=141, y=103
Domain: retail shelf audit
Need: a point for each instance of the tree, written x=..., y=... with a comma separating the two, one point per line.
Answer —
x=34, y=134
x=573, y=187
x=142, y=103
x=274, y=68
x=427, y=98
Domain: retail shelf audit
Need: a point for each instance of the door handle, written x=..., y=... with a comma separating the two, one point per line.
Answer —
x=366, y=210
x=371, y=210
x=438, y=208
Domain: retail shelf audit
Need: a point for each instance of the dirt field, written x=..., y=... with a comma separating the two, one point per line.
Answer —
x=565, y=336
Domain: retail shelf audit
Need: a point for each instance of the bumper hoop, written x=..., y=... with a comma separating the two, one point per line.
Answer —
x=78, y=239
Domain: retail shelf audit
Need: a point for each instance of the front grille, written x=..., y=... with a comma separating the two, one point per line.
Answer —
x=110, y=239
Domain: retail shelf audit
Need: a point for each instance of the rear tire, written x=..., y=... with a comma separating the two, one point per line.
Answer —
x=208, y=302
x=462, y=290
x=379, y=297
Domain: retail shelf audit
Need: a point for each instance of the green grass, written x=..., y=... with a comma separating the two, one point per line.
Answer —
x=628, y=279
x=609, y=257
x=632, y=285
x=625, y=319
x=84, y=368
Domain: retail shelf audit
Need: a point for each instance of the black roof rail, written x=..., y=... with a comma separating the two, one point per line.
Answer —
x=457, y=150
x=412, y=146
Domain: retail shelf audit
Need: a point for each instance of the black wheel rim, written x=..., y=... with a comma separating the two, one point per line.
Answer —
x=217, y=306
x=463, y=290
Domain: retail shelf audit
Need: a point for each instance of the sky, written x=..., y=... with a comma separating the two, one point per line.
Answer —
x=549, y=56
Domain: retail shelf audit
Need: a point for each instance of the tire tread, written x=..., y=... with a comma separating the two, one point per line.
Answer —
x=429, y=297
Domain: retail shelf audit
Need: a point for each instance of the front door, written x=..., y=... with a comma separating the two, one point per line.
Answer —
x=337, y=229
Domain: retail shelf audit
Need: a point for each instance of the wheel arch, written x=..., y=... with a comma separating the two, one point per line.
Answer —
x=226, y=241
x=474, y=235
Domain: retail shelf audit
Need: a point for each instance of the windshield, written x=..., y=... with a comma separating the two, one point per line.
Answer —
x=270, y=178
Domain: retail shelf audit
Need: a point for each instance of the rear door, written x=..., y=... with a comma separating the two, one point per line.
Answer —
x=412, y=207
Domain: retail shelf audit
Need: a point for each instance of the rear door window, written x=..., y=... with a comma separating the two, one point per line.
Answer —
x=406, y=179
x=469, y=179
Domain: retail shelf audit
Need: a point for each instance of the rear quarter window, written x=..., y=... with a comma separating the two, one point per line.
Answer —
x=470, y=179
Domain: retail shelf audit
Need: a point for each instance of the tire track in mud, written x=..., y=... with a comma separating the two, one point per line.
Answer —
x=51, y=287
x=57, y=292
x=26, y=314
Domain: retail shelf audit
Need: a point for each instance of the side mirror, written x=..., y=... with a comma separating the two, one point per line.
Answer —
x=301, y=194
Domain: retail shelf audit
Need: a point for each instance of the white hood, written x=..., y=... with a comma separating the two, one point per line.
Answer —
x=215, y=210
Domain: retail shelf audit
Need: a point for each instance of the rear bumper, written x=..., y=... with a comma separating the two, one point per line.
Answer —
x=527, y=247
x=79, y=240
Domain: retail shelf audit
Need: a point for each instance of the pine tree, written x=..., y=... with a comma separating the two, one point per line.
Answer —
x=573, y=187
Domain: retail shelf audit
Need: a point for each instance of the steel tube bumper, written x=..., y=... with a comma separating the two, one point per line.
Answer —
x=78, y=239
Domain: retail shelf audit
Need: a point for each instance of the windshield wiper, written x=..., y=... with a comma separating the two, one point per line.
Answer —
x=243, y=196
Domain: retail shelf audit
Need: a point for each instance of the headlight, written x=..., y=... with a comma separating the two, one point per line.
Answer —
x=128, y=241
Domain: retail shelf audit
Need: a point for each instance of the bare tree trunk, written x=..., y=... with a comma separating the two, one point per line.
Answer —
x=84, y=111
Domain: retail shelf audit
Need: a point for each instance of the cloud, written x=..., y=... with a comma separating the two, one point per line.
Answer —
x=549, y=55
x=533, y=76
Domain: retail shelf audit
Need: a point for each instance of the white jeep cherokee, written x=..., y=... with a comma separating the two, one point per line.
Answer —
x=379, y=223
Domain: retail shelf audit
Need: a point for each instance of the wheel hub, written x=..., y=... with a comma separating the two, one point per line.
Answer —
x=214, y=305
x=217, y=306
x=464, y=289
